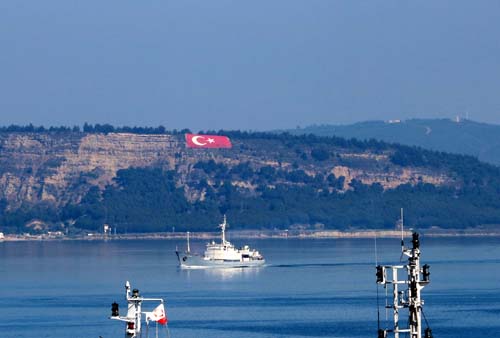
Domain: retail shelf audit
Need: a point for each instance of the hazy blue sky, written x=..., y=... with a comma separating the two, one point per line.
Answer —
x=210, y=64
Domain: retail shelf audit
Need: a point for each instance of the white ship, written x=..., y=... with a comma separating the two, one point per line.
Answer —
x=220, y=255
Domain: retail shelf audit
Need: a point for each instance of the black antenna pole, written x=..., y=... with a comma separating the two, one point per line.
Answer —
x=402, y=236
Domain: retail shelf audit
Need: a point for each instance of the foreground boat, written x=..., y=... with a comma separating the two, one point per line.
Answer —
x=133, y=319
x=220, y=255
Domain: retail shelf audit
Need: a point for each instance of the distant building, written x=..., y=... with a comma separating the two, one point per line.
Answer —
x=55, y=233
x=393, y=121
x=1, y=236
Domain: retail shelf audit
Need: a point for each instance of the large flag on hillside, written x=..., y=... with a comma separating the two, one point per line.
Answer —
x=207, y=141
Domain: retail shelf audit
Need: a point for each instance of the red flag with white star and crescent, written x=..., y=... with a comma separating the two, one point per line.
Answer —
x=207, y=141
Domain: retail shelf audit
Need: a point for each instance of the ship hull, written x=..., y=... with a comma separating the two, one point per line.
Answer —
x=190, y=261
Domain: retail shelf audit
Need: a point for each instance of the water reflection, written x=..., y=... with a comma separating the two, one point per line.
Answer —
x=222, y=274
x=231, y=273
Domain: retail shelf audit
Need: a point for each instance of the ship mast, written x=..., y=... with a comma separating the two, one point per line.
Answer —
x=133, y=318
x=410, y=299
x=223, y=226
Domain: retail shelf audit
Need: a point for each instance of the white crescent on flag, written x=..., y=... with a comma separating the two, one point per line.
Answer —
x=195, y=140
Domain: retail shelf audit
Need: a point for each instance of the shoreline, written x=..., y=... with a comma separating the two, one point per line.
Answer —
x=269, y=234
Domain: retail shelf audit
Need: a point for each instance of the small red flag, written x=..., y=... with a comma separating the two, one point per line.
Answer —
x=158, y=315
x=207, y=141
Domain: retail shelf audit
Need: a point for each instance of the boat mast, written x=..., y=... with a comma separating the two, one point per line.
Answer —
x=134, y=307
x=134, y=311
x=402, y=230
x=188, y=247
x=223, y=227
x=417, y=279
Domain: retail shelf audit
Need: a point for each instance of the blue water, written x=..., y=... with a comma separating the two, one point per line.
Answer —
x=311, y=288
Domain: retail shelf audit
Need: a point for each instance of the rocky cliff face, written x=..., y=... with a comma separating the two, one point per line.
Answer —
x=61, y=167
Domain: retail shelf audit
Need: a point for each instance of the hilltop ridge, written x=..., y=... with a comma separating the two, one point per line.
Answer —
x=460, y=136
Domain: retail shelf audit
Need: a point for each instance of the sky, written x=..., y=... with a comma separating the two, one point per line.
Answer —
x=249, y=65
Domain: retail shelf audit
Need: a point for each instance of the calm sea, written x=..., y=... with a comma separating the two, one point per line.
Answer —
x=311, y=288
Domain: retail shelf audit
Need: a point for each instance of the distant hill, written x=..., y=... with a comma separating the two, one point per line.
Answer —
x=146, y=180
x=464, y=137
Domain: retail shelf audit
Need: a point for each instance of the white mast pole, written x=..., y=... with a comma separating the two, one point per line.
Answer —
x=223, y=227
x=415, y=285
x=395, y=301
